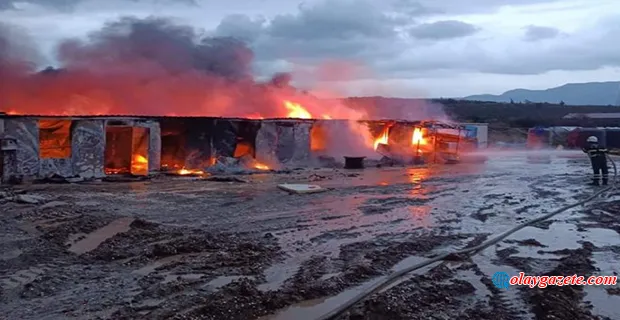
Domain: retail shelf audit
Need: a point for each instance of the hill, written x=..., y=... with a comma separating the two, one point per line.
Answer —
x=522, y=115
x=589, y=93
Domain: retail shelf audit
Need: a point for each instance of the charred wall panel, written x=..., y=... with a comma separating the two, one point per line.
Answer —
x=197, y=145
x=267, y=143
x=400, y=135
x=26, y=134
x=224, y=138
x=118, y=148
x=186, y=142
x=88, y=148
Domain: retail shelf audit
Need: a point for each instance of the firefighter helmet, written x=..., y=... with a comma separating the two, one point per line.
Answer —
x=592, y=139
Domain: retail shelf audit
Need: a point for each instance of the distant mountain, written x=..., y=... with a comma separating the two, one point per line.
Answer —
x=589, y=93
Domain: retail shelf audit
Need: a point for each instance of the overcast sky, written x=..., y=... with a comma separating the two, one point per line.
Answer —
x=428, y=48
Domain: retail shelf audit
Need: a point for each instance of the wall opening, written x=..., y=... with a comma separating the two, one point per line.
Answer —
x=54, y=139
x=318, y=138
x=173, y=153
x=246, y=139
x=244, y=148
x=126, y=150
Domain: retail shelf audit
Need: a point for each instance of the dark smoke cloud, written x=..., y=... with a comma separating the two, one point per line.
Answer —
x=139, y=66
x=173, y=48
x=153, y=67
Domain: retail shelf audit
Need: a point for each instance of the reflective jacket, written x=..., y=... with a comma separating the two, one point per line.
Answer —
x=595, y=152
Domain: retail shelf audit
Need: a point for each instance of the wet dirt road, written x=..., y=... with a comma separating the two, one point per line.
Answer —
x=181, y=248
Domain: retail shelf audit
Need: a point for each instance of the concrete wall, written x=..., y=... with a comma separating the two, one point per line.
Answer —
x=26, y=134
x=283, y=142
x=154, y=143
x=88, y=148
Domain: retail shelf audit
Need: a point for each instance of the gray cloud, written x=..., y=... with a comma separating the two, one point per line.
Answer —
x=350, y=29
x=240, y=26
x=66, y=5
x=441, y=30
x=536, y=33
x=587, y=49
x=424, y=7
x=332, y=19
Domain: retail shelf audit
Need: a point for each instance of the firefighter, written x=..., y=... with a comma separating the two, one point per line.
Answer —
x=598, y=159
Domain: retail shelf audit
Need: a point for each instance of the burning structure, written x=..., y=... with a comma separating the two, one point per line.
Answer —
x=190, y=104
x=87, y=147
x=95, y=147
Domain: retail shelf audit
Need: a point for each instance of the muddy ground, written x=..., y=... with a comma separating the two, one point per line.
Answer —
x=184, y=248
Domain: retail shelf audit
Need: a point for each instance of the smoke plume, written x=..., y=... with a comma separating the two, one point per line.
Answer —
x=153, y=67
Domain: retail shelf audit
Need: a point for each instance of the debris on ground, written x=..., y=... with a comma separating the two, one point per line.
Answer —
x=225, y=179
x=301, y=188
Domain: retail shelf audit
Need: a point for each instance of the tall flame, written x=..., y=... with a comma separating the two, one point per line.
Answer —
x=296, y=110
x=418, y=137
x=383, y=138
x=139, y=163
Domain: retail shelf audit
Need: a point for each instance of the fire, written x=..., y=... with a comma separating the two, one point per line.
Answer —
x=139, y=163
x=417, y=138
x=184, y=172
x=255, y=116
x=296, y=110
x=383, y=138
x=261, y=166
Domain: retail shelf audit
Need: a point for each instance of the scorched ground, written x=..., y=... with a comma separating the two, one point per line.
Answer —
x=179, y=248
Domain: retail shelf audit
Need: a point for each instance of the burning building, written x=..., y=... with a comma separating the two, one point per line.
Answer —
x=98, y=146
x=190, y=104
x=86, y=147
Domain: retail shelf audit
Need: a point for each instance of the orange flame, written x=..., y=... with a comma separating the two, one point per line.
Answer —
x=383, y=138
x=418, y=137
x=296, y=110
x=139, y=163
x=261, y=166
x=184, y=172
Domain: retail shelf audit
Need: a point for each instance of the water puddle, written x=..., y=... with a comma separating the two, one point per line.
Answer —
x=561, y=235
x=95, y=238
x=10, y=254
x=475, y=280
x=223, y=281
x=188, y=276
x=152, y=267
x=276, y=275
x=329, y=276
